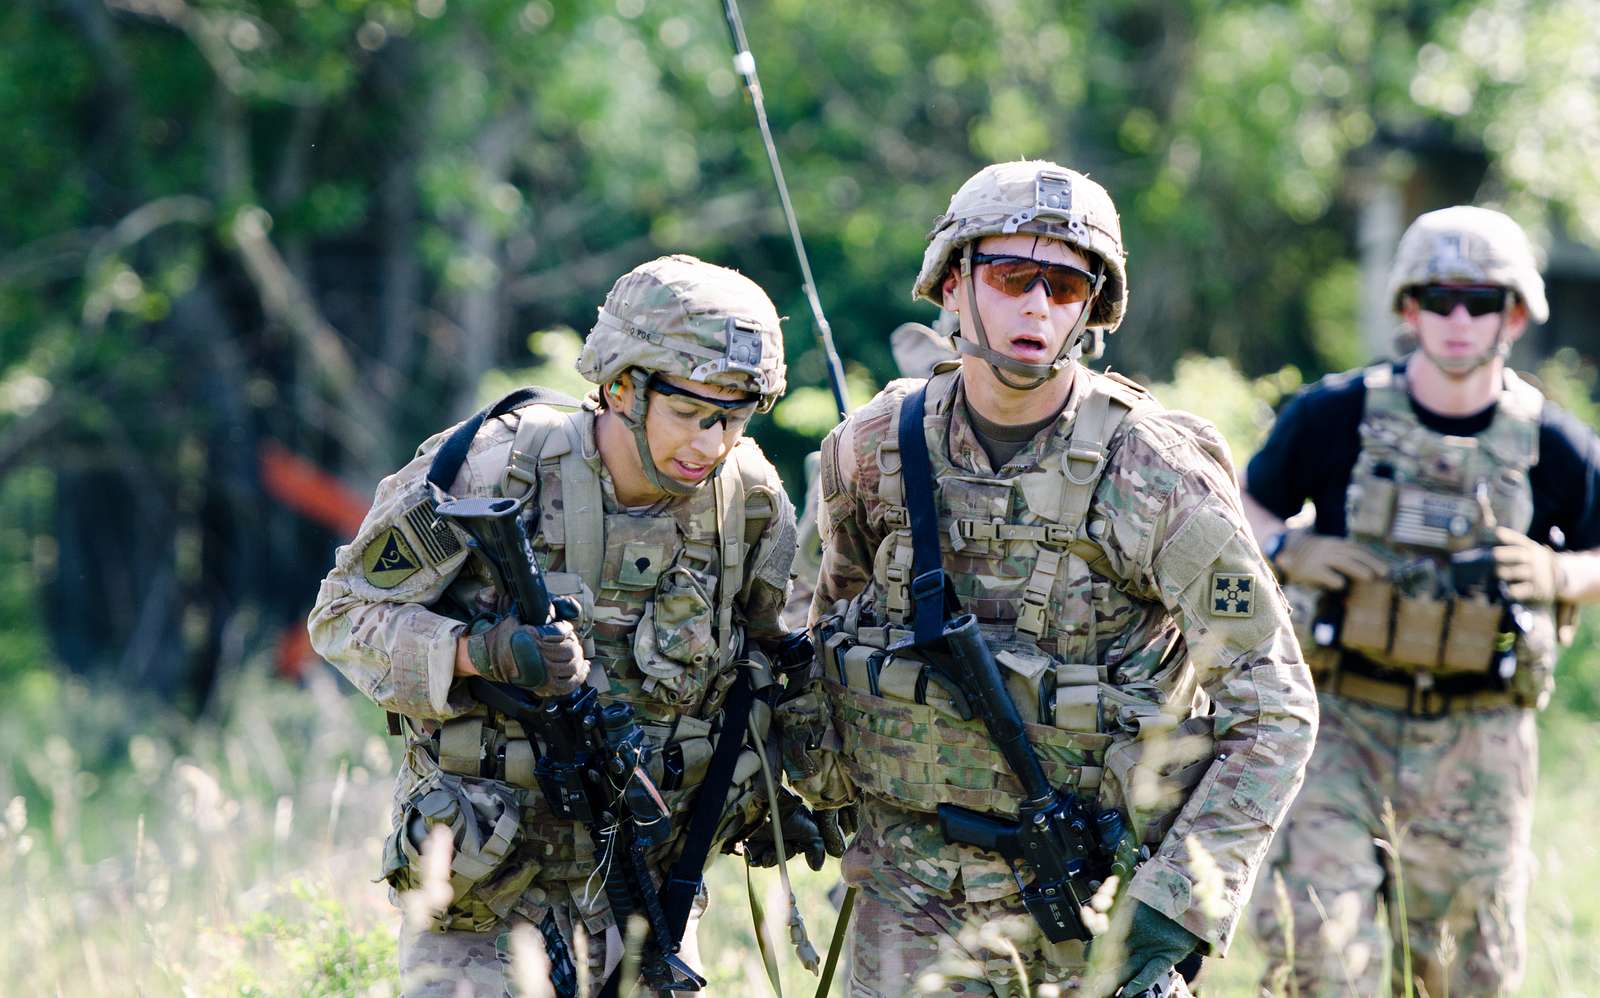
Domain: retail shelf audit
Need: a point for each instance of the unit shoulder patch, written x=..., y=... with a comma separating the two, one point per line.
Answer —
x=1233, y=594
x=389, y=560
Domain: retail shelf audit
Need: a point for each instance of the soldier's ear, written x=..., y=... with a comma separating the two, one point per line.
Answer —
x=1516, y=319
x=619, y=393
x=1410, y=311
x=947, y=287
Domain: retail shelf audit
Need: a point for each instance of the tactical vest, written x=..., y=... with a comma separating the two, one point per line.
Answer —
x=1428, y=504
x=658, y=591
x=1021, y=555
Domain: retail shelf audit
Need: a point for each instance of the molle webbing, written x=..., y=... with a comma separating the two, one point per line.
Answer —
x=1061, y=541
x=918, y=757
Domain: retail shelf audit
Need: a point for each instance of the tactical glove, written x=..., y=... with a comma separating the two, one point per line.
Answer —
x=547, y=660
x=838, y=826
x=1154, y=946
x=800, y=835
x=1531, y=572
x=1325, y=562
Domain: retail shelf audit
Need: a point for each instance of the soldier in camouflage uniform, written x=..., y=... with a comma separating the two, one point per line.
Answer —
x=1098, y=539
x=1426, y=593
x=917, y=350
x=649, y=508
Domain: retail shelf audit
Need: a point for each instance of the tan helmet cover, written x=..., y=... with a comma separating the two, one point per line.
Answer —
x=680, y=315
x=1465, y=243
x=1038, y=197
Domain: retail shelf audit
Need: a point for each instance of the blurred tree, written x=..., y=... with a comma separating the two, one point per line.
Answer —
x=332, y=225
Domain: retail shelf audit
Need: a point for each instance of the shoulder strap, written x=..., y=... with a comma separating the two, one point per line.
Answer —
x=1521, y=400
x=582, y=501
x=1111, y=401
x=932, y=595
x=729, y=486
x=1386, y=392
x=447, y=461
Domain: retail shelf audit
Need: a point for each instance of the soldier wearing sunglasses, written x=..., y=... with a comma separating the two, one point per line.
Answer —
x=1098, y=539
x=1428, y=591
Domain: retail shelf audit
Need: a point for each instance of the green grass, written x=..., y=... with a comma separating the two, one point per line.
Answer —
x=143, y=855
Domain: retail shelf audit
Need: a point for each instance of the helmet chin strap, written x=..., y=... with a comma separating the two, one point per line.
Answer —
x=1459, y=368
x=998, y=362
x=633, y=419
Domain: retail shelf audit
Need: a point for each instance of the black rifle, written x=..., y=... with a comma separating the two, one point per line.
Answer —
x=591, y=759
x=1068, y=844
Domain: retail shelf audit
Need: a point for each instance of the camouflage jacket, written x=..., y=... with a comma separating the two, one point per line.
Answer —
x=389, y=613
x=1167, y=530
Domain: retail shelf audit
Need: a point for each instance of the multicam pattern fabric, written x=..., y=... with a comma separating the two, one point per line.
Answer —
x=1012, y=197
x=672, y=316
x=649, y=627
x=1405, y=469
x=1164, y=517
x=1466, y=244
x=1461, y=788
x=909, y=939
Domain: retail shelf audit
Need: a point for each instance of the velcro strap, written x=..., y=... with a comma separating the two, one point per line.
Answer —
x=519, y=763
x=461, y=745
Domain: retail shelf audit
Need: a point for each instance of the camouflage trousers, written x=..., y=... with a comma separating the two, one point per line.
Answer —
x=1461, y=788
x=908, y=939
x=511, y=961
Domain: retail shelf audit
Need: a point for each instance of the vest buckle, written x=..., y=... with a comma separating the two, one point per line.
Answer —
x=1095, y=456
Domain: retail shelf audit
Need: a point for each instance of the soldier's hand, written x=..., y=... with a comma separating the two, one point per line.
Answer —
x=547, y=660
x=1532, y=572
x=562, y=650
x=1154, y=946
x=800, y=835
x=1325, y=562
x=838, y=826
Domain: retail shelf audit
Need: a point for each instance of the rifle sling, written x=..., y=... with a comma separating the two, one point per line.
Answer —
x=932, y=593
x=688, y=872
x=452, y=454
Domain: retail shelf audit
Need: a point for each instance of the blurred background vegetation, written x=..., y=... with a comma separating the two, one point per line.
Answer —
x=253, y=251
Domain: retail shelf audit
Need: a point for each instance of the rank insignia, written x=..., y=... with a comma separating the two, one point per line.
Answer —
x=389, y=560
x=1233, y=594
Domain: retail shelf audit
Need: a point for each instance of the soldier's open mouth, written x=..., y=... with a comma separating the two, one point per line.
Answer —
x=692, y=472
x=1028, y=344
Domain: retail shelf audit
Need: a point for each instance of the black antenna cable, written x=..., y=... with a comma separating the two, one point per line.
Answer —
x=745, y=65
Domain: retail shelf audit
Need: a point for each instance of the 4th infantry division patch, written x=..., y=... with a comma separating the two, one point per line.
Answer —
x=389, y=560
x=1233, y=594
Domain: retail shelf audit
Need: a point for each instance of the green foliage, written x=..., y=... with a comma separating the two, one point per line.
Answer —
x=310, y=947
x=1241, y=407
x=557, y=351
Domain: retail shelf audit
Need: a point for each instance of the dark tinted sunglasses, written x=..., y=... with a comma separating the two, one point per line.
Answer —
x=1016, y=275
x=1442, y=300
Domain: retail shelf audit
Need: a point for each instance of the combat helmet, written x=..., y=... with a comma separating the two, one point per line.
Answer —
x=682, y=316
x=1472, y=245
x=1046, y=199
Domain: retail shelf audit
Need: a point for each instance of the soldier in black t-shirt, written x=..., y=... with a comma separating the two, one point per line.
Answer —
x=1456, y=516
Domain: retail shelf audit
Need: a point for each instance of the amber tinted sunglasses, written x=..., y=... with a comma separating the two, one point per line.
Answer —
x=1016, y=275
